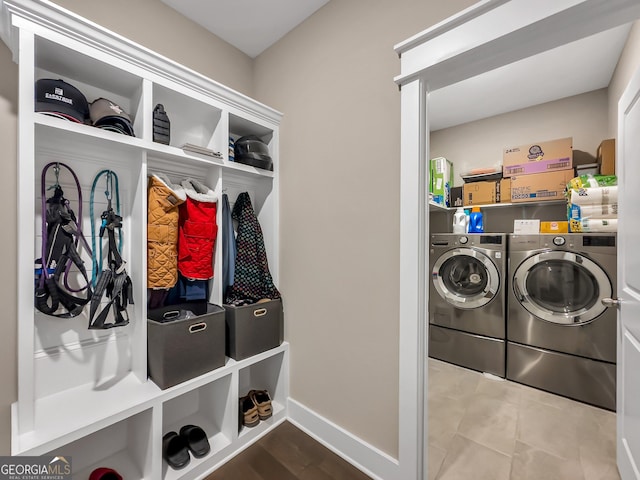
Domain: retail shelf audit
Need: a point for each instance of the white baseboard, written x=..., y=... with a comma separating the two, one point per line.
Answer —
x=367, y=458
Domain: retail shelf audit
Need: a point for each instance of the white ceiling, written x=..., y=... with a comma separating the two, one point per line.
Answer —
x=578, y=67
x=583, y=66
x=250, y=25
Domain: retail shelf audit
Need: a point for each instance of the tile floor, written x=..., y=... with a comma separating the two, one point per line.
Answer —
x=486, y=429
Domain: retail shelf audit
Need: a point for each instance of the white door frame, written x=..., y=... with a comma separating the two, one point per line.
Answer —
x=414, y=227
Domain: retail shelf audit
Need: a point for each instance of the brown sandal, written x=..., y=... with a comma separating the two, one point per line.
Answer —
x=262, y=400
x=249, y=411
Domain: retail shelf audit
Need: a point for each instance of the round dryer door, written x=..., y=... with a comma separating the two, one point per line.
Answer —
x=561, y=287
x=465, y=278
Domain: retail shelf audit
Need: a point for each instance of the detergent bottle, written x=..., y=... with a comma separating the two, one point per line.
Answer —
x=459, y=221
x=476, y=225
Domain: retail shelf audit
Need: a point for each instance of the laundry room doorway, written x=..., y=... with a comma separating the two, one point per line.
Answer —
x=492, y=37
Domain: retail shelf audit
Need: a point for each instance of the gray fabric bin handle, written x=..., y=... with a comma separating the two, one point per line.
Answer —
x=260, y=312
x=197, y=327
x=171, y=315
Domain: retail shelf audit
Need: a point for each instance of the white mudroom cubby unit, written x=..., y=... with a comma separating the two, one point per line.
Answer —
x=83, y=392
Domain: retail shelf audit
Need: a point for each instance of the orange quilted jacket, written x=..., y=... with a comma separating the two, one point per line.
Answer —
x=163, y=199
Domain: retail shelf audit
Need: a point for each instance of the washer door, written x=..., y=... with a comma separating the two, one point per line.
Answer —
x=465, y=278
x=561, y=287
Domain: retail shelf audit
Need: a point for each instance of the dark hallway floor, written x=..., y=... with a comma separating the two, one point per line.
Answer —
x=287, y=453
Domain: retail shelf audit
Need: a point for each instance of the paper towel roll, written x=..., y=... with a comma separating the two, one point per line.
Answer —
x=595, y=211
x=599, y=225
x=594, y=196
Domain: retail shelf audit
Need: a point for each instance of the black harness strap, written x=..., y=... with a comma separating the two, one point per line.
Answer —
x=114, y=282
x=60, y=240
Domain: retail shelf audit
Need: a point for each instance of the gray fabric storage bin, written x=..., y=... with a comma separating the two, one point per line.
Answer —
x=252, y=329
x=184, y=348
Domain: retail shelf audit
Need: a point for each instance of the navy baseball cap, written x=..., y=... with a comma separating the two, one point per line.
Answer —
x=61, y=98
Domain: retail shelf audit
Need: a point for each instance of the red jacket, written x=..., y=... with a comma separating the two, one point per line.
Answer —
x=197, y=231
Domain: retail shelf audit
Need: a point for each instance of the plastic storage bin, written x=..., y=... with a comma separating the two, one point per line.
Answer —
x=183, y=345
x=255, y=328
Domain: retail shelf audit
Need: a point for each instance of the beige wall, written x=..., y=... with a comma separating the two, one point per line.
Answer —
x=340, y=155
x=158, y=27
x=629, y=62
x=166, y=32
x=479, y=144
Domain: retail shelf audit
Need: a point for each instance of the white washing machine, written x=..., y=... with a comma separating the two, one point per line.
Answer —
x=467, y=300
x=561, y=333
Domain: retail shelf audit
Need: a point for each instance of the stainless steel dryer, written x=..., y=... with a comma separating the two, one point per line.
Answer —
x=561, y=336
x=467, y=300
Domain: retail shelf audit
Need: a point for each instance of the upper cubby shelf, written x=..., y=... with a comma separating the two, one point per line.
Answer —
x=192, y=121
x=73, y=64
x=94, y=78
x=74, y=139
x=239, y=127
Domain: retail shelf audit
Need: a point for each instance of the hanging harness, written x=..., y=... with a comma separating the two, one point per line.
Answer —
x=112, y=281
x=61, y=236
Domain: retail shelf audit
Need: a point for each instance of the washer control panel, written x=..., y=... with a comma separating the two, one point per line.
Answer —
x=463, y=240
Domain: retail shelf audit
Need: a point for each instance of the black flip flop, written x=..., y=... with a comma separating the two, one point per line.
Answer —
x=196, y=440
x=175, y=450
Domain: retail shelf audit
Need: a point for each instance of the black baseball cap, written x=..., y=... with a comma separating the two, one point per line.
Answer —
x=61, y=98
x=109, y=116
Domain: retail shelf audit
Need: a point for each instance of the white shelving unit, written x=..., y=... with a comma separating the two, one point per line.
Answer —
x=85, y=393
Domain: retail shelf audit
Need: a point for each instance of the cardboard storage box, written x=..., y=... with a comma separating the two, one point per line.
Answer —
x=607, y=157
x=480, y=193
x=539, y=157
x=184, y=348
x=255, y=328
x=540, y=186
x=441, y=174
x=554, y=227
x=505, y=191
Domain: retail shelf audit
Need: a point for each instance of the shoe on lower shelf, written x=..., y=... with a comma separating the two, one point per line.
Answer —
x=175, y=450
x=249, y=411
x=263, y=401
x=104, y=473
x=196, y=440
